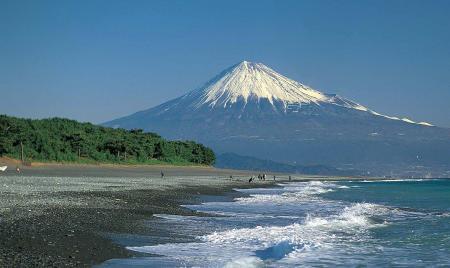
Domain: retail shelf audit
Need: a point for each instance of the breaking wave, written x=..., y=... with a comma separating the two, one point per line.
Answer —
x=302, y=224
x=313, y=231
x=290, y=193
x=285, y=224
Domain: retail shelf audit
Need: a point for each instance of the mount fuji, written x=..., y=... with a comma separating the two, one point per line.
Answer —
x=249, y=109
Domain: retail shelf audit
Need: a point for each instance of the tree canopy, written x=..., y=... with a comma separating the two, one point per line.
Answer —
x=64, y=140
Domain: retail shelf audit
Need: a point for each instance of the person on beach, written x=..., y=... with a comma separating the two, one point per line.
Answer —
x=250, y=180
x=290, y=178
x=274, y=177
x=162, y=174
x=264, y=177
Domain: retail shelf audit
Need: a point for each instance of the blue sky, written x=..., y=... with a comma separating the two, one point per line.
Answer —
x=98, y=60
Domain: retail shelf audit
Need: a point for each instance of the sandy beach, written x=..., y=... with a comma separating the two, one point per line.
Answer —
x=61, y=215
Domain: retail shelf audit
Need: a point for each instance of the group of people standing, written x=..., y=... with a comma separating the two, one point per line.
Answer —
x=262, y=177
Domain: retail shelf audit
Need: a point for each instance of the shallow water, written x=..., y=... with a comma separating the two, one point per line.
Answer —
x=345, y=223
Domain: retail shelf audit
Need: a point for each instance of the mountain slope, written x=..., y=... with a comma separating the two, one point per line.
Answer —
x=249, y=109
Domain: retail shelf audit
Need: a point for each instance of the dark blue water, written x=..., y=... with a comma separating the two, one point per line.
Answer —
x=347, y=224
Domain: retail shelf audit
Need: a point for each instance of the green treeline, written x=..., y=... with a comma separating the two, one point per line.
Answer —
x=65, y=140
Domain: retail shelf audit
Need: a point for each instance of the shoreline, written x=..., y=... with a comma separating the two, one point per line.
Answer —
x=53, y=221
x=132, y=170
x=60, y=215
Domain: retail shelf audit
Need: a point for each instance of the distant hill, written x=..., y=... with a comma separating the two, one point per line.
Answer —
x=235, y=161
x=250, y=109
x=65, y=140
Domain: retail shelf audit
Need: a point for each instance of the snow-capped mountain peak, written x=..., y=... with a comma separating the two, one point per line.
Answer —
x=248, y=80
x=254, y=85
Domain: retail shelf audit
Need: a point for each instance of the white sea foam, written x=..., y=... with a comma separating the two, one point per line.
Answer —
x=277, y=235
x=397, y=180
x=357, y=215
x=445, y=214
x=171, y=217
x=291, y=193
x=248, y=262
x=248, y=247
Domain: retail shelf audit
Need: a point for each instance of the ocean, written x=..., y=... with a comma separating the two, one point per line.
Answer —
x=395, y=223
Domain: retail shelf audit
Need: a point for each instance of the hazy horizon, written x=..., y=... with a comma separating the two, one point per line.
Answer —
x=106, y=59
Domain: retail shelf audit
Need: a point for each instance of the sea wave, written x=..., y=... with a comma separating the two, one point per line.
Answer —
x=358, y=215
x=396, y=180
x=309, y=232
x=283, y=224
x=295, y=224
x=250, y=247
x=290, y=193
